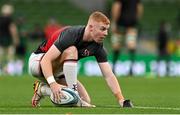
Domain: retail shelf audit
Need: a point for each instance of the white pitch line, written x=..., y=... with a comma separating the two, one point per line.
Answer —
x=162, y=108
x=136, y=107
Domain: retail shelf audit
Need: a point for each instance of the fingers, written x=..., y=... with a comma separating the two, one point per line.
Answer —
x=56, y=90
x=93, y=105
x=57, y=96
x=85, y=104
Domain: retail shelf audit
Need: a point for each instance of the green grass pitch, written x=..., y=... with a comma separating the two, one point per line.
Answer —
x=155, y=95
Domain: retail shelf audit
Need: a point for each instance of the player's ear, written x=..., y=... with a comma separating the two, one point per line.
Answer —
x=90, y=27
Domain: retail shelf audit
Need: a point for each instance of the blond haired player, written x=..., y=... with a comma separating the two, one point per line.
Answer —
x=55, y=61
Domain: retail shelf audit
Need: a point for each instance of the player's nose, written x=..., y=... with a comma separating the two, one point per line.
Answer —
x=105, y=33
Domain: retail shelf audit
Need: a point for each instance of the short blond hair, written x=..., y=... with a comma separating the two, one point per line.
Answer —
x=99, y=17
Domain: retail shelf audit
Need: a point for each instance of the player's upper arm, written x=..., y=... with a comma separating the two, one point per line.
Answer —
x=101, y=55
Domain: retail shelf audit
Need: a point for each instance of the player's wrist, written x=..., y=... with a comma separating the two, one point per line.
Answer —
x=121, y=102
x=51, y=80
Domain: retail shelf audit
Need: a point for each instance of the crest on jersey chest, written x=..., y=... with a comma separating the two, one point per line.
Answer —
x=86, y=52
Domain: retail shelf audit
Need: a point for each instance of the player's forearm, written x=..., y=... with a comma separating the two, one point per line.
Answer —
x=115, y=88
x=111, y=80
x=46, y=67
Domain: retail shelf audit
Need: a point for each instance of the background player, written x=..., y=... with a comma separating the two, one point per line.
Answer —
x=125, y=15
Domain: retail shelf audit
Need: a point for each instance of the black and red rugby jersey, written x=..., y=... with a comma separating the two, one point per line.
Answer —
x=73, y=36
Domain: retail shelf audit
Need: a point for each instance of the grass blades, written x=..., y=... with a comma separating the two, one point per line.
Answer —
x=156, y=95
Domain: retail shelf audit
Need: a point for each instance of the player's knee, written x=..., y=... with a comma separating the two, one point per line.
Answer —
x=116, y=41
x=116, y=47
x=131, y=40
x=71, y=53
x=131, y=45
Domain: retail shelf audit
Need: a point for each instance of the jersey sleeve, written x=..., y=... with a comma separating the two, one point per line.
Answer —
x=101, y=55
x=65, y=39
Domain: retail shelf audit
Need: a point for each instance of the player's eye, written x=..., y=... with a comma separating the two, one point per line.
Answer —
x=102, y=28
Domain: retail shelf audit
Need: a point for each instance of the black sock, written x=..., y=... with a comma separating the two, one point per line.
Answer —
x=132, y=59
x=115, y=58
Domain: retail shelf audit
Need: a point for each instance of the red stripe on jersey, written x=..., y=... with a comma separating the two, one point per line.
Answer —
x=53, y=38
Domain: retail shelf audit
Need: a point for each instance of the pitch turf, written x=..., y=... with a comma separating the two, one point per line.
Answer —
x=155, y=95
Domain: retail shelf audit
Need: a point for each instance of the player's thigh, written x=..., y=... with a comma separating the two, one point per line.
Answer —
x=34, y=65
x=69, y=53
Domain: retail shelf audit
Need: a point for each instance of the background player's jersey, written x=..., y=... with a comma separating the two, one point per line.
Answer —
x=73, y=36
x=5, y=35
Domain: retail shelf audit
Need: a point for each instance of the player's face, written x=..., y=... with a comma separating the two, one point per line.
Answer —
x=99, y=32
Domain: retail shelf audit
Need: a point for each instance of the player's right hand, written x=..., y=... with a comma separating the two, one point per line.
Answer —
x=56, y=90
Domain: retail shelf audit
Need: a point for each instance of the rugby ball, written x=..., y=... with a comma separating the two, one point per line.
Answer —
x=70, y=98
